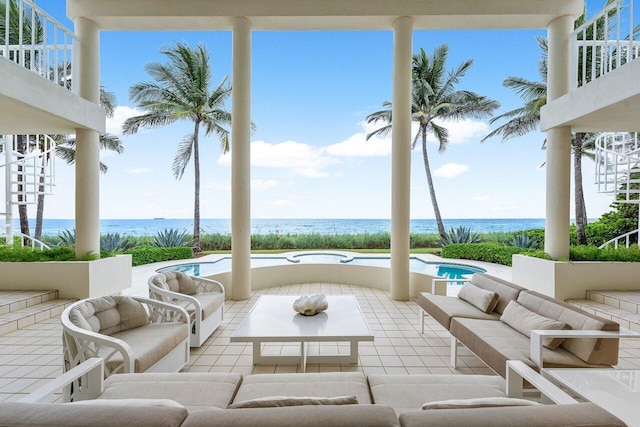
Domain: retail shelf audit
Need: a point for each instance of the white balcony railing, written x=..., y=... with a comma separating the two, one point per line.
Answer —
x=32, y=38
x=605, y=42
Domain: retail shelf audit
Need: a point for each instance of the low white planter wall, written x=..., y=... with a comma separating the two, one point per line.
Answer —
x=359, y=275
x=571, y=280
x=72, y=279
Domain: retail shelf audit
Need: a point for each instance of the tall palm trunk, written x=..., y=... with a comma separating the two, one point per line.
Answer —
x=21, y=148
x=580, y=206
x=432, y=191
x=196, y=207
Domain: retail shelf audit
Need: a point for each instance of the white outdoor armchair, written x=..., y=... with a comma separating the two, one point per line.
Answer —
x=131, y=334
x=202, y=298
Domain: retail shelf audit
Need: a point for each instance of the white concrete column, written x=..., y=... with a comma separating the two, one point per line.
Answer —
x=401, y=157
x=558, y=191
x=241, y=161
x=86, y=72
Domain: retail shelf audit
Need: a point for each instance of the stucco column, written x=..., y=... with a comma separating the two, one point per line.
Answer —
x=401, y=157
x=558, y=194
x=87, y=73
x=241, y=161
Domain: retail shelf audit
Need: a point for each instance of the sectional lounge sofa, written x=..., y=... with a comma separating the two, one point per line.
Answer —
x=498, y=329
x=227, y=399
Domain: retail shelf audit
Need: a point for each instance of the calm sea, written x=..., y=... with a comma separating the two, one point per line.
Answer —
x=140, y=227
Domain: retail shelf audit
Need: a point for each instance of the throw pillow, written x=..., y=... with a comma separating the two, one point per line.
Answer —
x=481, y=402
x=129, y=402
x=524, y=321
x=481, y=298
x=278, y=401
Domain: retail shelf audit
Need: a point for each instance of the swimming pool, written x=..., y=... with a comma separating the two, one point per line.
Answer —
x=445, y=270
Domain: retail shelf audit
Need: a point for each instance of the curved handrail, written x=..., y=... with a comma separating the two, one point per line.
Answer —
x=616, y=240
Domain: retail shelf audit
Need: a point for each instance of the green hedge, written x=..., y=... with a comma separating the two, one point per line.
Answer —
x=26, y=254
x=593, y=253
x=488, y=252
x=148, y=254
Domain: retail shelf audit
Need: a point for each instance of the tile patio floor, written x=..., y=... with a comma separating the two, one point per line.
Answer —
x=31, y=356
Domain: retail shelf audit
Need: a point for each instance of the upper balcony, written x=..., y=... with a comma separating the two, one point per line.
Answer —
x=36, y=62
x=605, y=94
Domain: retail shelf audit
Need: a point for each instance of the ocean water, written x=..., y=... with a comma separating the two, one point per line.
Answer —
x=141, y=227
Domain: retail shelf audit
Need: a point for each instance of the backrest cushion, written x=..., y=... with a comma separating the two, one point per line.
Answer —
x=481, y=298
x=109, y=315
x=525, y=321
x=180, y=282
x=506, y=291
x=591, y=350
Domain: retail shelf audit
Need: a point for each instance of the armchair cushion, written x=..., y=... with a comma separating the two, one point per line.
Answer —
x=210, y=302
x=149, y=343
x=109, y=315
x=178, y=282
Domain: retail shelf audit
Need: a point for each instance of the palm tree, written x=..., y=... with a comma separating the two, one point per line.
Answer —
x=435, y=100
x=182, y=91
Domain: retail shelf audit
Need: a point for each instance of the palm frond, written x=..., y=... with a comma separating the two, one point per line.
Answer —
x=181, y=160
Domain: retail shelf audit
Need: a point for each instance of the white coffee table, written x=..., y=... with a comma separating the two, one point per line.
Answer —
x=616, y=390
x=272, y=319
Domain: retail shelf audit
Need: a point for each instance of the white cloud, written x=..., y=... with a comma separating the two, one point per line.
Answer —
x=451, y=170
x=138, y=171
x=301, y=159
x=263, y=184
x=480, y=198
x=121, y=113
x=466, y=130
x=505, y=208
x=358, y=146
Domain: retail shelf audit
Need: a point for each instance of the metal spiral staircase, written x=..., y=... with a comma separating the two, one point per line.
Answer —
x=29, y=171
x=618, y=173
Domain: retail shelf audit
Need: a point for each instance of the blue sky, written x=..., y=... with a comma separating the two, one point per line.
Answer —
x=311, y=93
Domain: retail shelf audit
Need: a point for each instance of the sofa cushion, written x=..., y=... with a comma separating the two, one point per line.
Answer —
x=481, y=298
x=496, y=342
x=281, y=401
x=507, y=291
x=524, y=321
x=409, y=392
x=591, y=350
x=149, y=343
x=195, y=391
x=209, y=301
x=296, y=416
x=129, y=402
x=309, y=384
x=574, y=415
x=109, y=315
x=59, y=415
x=443, y=308
x=481, y=402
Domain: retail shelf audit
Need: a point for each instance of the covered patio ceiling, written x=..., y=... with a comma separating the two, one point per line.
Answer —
x=321, y=14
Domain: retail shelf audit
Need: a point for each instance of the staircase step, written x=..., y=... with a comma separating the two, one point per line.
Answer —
x=625, y=300
x=22, y=308
x=625, y=318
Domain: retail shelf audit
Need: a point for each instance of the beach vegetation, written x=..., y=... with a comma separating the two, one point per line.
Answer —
x=460, y=235
x=171, y=237
x=148, y=254
x=67, y=237
x=27, y=254
x=435, y=100
x=498, y=253
x=114, y=242
x=182, y=90
x=523, y=240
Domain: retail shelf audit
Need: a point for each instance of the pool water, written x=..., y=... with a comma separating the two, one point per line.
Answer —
x=441, y=269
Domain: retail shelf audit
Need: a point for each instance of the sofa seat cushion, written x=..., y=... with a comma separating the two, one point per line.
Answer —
x=209, y=301
x=591, y=350
x=443, y=308
x=410, y=392
x=59, y=414
x=325, y=384
x=496, y=342
x=296, y=416
x=574, y=415
x=150, y=343
x=194, y=391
